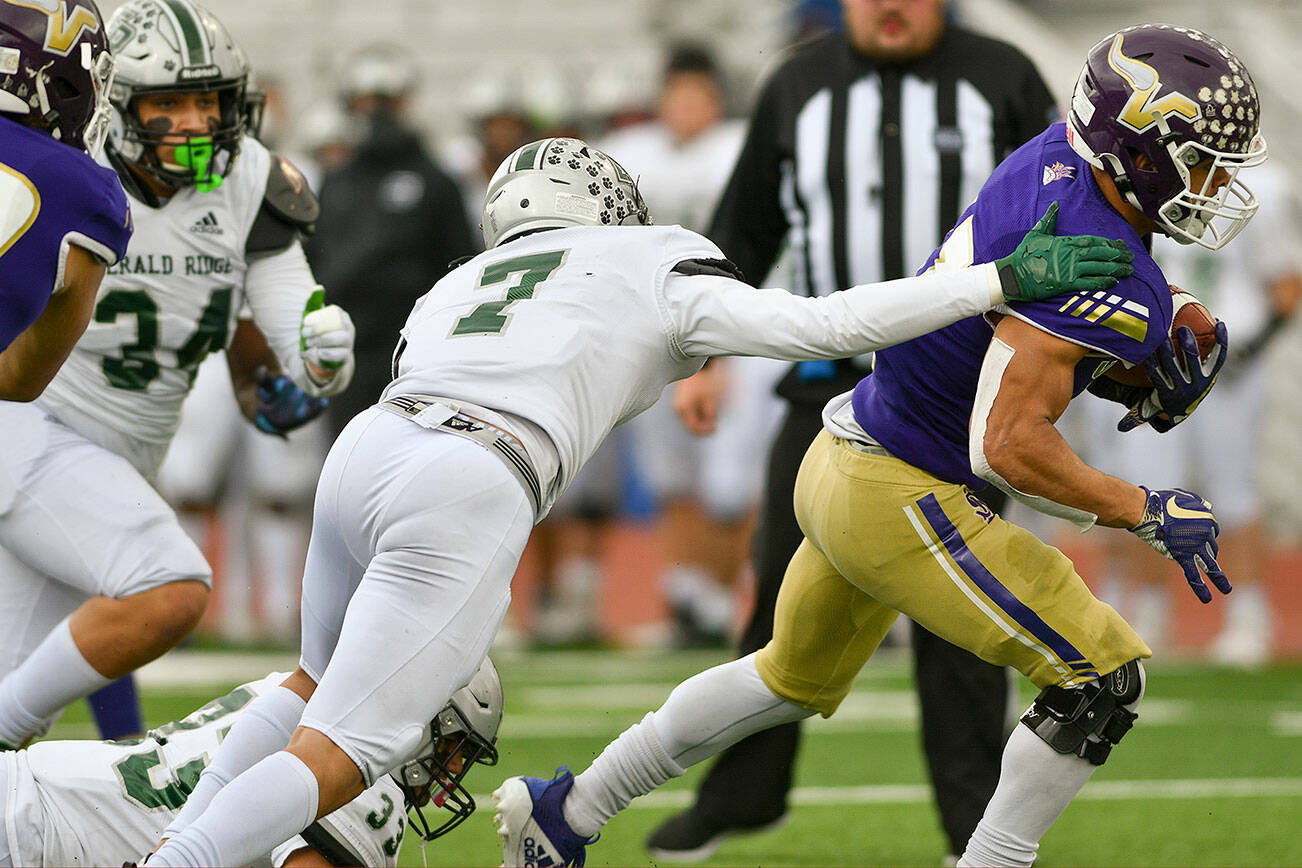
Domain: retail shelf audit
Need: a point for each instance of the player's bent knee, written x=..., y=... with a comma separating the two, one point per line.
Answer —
x=172, y=610
x=339, y=780
x=1087, y=720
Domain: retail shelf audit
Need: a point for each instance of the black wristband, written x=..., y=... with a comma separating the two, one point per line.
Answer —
x=1008, y=280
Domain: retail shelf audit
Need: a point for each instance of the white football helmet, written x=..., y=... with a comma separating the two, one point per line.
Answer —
x=554, y=183
x=176, y=46
x=464, y=733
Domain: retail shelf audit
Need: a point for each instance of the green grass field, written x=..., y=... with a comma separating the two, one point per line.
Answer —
x=1210, y=775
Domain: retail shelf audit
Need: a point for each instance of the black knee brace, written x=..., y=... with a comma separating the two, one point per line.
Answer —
x=1066, y=717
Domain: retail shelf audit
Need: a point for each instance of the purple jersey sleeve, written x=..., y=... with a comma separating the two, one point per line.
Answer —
x=919, y=399
x=55, y=195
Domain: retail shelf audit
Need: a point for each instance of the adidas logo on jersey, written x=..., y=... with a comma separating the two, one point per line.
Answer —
x=207, y=225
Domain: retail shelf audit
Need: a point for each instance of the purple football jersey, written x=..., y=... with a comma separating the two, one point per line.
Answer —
x=50, y=193
x=918, y=400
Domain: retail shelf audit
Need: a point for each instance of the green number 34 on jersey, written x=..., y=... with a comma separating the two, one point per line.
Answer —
x=138, y=365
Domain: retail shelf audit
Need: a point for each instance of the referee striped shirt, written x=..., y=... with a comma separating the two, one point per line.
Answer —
x=862, y=167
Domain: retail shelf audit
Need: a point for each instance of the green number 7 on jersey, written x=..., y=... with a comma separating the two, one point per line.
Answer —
x=490, y=318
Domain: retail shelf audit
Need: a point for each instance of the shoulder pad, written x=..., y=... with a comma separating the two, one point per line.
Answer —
x=713, y=267
x=289, y=209
x=288, y=195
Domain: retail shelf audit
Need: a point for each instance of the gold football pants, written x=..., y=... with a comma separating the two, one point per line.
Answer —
x=883, y=537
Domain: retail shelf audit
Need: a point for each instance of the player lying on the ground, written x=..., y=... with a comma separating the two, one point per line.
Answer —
x=885, y=498
x=106, y=803
x=66, y=218
x=510, y=373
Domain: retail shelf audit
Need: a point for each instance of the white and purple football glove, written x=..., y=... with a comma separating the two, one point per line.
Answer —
x=1180, y=381
x=1179, y=525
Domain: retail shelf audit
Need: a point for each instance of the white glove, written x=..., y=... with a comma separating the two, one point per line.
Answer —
x=325, y=339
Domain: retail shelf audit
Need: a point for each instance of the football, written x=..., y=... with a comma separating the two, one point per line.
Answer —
x=1186, y=311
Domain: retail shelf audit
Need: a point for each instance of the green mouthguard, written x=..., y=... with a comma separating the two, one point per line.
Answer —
x=196, y=155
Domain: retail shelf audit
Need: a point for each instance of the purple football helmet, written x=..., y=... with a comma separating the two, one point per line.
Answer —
x=55, y=68
x=1155, y=101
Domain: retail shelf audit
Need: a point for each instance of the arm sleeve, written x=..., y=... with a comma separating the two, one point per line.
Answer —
x=749, y=224
x=277, y=288
x=718, y=316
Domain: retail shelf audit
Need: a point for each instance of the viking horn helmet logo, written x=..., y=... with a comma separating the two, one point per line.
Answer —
x=1145, y=106
x=64, y=28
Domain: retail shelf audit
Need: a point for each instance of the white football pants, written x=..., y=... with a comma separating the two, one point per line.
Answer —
x=76, y=521
x=415, y=538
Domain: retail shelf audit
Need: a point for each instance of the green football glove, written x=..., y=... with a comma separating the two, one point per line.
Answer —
x=1044, y=265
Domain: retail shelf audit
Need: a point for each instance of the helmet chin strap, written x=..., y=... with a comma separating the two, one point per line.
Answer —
x=197, y=156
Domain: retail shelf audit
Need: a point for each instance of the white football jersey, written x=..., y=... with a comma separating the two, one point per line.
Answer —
x=106, y=803
x=168, y=303
x=570, y=332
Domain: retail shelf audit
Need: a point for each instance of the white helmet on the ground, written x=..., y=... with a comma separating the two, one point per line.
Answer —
x=555, y=183
x=462, y=734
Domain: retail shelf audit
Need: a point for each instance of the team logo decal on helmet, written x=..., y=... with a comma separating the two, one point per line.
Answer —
x=177, y=46
x=1144, y=104
x=1172, y=116
x=64, y=25
x=55, y=68
x=554, y=183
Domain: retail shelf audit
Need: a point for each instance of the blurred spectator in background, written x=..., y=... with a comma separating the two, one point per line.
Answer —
x=324, y=140
x=391, y=220
x=864, y=148
x=707, y=487
x=500, y=128
x=1254, y=285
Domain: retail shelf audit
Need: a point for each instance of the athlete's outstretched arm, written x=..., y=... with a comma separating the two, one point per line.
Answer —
x=727, y=319
x=29, y=363
x=1025, y=385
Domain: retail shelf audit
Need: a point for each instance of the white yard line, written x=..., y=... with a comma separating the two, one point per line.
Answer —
x=1286, y=723
x=917, y=794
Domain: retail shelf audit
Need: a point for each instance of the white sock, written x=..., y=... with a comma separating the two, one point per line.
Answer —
x=263, y=728
x=702, y=716
x=632, y=765
x=1036, y=784
x=54, y=675
x=718, y=707
x=261, y=809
